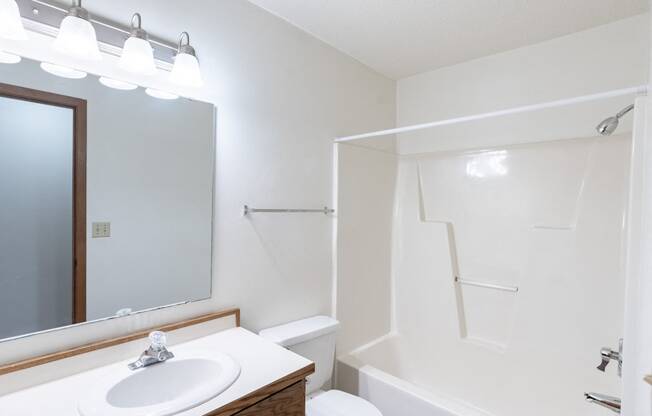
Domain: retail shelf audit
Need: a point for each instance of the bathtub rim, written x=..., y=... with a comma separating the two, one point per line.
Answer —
x=435, y=399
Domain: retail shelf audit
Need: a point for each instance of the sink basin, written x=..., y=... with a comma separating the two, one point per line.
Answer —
x=191, y=378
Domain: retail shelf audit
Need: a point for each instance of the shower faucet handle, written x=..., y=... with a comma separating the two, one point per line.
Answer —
x=607, y=354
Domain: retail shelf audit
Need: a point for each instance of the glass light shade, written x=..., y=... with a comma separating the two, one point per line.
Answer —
x=8, y=58
x=62, y=71
x=117, y=84
x=138, y=57
x=11, y=25
x=163, y=95
x=186, y=71
x=77, y=39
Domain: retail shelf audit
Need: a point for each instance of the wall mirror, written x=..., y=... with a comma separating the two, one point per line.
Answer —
x=107, y=200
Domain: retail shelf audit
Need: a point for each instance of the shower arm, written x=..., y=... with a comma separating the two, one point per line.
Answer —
x=624, y=111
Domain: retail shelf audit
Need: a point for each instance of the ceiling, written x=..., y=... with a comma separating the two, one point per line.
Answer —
x=400, y=38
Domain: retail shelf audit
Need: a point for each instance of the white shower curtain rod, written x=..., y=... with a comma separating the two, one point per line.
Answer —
x=640, y=90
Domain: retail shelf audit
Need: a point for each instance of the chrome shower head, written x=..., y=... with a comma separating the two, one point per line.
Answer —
x=610, y=124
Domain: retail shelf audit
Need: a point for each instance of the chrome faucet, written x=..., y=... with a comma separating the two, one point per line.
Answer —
x=608, y=402
x=608, y=354
x=156, y=353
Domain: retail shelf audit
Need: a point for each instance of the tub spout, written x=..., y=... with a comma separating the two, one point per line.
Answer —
x=609, y=402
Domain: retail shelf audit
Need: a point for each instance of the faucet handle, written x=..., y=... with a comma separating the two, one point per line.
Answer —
x=606, y=358
x=158, y=339
x=607, y=354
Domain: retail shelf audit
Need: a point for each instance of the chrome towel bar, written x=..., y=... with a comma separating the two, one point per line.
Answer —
x=248, y=210
x=485, y=285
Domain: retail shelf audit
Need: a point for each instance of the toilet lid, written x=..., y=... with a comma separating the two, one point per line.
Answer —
x=338, y=403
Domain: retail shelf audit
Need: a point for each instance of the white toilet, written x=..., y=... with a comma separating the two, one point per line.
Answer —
x=314, y=339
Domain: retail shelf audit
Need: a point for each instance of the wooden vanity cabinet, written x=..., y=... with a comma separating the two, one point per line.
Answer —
x=288, y=402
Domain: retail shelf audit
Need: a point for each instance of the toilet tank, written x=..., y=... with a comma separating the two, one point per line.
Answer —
x=312, y=338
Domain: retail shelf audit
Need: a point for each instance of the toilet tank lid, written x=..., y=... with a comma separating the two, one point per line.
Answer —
x=300, y=331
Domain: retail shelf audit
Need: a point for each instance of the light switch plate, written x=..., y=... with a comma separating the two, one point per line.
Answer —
x=101, y=229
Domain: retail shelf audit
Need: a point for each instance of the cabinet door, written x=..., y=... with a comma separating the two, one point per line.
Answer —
x=288, y=402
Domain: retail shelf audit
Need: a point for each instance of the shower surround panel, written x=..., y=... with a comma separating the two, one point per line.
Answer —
x=546, y=218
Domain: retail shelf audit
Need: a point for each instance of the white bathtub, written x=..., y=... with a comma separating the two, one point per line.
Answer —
x=360, y=373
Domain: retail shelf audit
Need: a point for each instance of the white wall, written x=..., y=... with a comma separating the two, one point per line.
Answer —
x=605, y=58
x=282, y=96
x=36, y=216
x=366, y=182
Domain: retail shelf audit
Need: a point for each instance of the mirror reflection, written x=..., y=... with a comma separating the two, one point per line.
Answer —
x=107, y=200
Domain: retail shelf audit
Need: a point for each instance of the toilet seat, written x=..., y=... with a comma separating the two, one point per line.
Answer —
x=339, y=403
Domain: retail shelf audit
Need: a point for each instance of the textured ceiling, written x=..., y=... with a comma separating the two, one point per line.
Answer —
x=399, y=38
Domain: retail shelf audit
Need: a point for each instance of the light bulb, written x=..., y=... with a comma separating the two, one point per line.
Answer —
x=11, y=25
x=186, y=71
x=117, y=84
x=162, y=95
x=77, y=37
x=62, y=71
x=9, y=58
x=137, y=54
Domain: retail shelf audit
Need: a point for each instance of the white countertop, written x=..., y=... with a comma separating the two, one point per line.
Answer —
x=262, y=363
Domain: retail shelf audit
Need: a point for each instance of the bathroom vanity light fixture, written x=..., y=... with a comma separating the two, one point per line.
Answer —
x=62, y=71
x=137, y=54
x=117, y=84
x=186, y=70
x=140, y=54
x=163, y=95
x=11, y=25
x=77, y=38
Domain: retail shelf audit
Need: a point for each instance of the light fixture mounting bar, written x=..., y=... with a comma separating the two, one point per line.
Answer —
x=51, y=13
